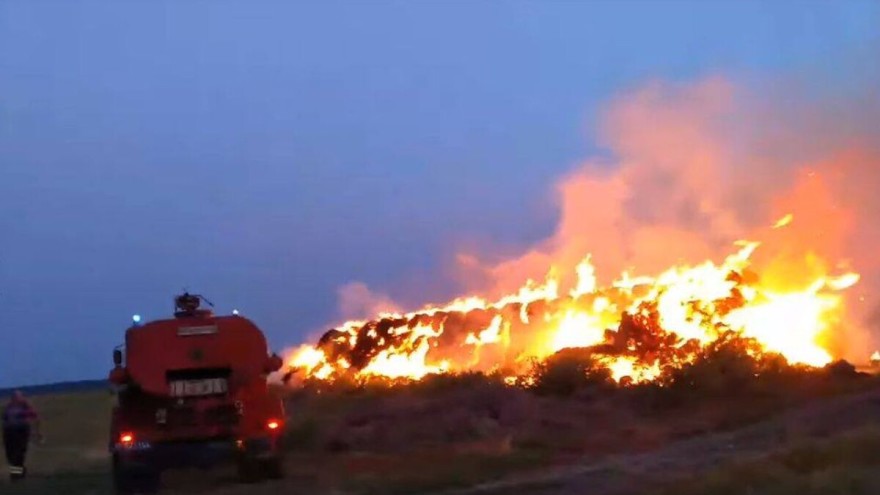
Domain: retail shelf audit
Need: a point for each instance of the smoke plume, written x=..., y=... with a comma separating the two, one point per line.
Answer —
x=357, y=301
x=695, y=167
x=692, y=168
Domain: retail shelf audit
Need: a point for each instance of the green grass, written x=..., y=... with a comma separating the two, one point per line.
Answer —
x=418, y=474
x=847, y=464
x=84, y=482
x=74, y=459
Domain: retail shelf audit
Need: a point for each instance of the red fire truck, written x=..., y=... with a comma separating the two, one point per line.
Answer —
x=192, y=392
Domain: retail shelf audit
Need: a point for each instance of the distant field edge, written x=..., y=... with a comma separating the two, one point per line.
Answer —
x=59, y=387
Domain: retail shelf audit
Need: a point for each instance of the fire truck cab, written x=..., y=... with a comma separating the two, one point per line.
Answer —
x=192, y=392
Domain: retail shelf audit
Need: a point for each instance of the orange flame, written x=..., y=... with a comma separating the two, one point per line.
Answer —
x=682, y=307
x=782, y=222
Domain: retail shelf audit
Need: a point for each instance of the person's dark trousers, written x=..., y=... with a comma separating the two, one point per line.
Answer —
x=15, y=442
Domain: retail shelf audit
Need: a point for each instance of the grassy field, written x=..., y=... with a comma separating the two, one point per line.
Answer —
x=846, y=464
x=73, y=459
x=453, y=433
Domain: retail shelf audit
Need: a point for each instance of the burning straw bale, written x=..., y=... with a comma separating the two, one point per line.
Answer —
x=636, y=329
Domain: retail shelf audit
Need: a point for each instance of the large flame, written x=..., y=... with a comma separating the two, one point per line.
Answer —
x=636, y=326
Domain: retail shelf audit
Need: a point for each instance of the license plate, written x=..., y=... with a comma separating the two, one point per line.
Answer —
x=191, y=388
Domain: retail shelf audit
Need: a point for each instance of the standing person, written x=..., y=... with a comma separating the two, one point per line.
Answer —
x=18, y=419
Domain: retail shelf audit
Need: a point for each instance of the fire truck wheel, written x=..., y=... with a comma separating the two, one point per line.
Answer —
x=249, y=470
x=273, y=469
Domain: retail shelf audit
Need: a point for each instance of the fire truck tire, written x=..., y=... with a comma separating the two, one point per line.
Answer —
x=273, y=469
x=249, y=470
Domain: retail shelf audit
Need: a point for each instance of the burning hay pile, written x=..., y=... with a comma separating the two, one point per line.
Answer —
x=637, y=329
x=662, y=199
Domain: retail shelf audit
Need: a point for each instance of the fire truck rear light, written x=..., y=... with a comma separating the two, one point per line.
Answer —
x=273, y=424
x=127, y=441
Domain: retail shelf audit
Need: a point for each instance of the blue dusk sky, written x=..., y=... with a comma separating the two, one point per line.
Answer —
x=266, y=153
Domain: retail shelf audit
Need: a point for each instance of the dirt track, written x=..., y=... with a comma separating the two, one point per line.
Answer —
x=630, y=473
